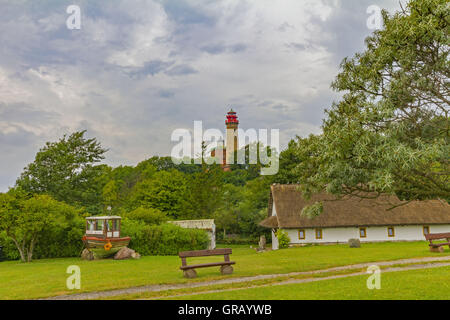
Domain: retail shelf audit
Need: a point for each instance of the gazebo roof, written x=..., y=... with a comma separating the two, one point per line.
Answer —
x=103, y=218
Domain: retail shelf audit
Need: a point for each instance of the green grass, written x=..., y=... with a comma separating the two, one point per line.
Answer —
x=425, y=284
x=44, y=278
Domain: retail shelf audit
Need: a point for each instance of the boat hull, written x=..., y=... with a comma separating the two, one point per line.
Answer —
x=97, y=245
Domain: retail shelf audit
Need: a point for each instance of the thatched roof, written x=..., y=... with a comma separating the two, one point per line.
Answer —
x=350, y=212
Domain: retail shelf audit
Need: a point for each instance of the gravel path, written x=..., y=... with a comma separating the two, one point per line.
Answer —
x=295, y=281
x=165, y=287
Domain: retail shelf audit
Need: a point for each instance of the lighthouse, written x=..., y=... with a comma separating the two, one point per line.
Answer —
x=231, y=142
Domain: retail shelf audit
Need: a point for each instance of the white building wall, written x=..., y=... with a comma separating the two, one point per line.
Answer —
x=402, y=233
x=275, y=244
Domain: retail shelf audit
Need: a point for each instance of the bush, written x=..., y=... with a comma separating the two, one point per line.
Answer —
x=283, y=239
x=61, y=242
x=238, y=241
x=149, y=216
x=165, y=239
x=10, y=251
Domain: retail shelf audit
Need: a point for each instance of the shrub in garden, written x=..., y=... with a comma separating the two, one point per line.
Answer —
x=55, y=242
x=28, y=221
x=147, y=215
x=283, y=239
x=164, y=239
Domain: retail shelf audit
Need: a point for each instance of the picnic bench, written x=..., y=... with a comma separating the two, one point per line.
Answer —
x=438, y=247
x=189, y=270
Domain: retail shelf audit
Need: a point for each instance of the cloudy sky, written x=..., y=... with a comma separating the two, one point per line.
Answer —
x=137, y=70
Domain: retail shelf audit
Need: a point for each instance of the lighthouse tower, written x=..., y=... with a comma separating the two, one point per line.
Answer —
x=231, y=142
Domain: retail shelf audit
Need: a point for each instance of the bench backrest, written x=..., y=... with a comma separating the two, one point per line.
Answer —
x=204, y=253
x=434, y=236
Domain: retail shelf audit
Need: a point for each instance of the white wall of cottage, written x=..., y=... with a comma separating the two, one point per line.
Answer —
x=373, y=234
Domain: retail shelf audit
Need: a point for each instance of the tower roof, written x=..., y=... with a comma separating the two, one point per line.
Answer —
x=232, y=118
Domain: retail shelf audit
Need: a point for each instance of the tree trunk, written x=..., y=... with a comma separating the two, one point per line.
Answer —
x=22, y=255
x=30, y=250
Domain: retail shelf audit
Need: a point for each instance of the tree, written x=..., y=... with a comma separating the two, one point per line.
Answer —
x=226, y=215
x=147, y=215
x=26, y=219
x=166, y=191
x=390, y=131
x=253, y=207
x=65, y=170
x=289, y=160
x=110, y=194
x=205, y=191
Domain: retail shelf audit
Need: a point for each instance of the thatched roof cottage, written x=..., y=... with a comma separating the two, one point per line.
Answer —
x=366, y=219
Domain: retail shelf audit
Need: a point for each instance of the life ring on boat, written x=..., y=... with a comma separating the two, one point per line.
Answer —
x=107, y=246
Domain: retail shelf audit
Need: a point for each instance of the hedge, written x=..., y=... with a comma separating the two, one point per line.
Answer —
x=165, y=239
x=57, y=243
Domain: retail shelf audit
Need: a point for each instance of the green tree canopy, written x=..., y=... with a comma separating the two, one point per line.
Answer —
x=25, y=219
x=390, y=131
x=166, y=191
x=65, y=170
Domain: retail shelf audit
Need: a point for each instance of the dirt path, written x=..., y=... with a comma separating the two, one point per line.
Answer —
x=165, y=287
x=295, y=281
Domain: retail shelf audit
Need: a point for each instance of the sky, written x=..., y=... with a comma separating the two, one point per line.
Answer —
x=137, y=70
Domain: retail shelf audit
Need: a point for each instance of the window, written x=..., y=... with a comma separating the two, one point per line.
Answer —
x=91, y=225
x=426, y=230
x=318, y=233
x=99, y=225
x=391, y=232
x=362, y=232
x=301, y=234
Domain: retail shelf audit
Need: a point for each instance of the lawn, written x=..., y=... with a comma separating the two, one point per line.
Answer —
x=47, y=277
x=426, y=284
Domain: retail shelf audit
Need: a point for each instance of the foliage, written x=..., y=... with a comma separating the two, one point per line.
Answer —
x=165, y=191
x=226, y=217
x=28, y=220
x=390, y=131
x=65, y=170
x=205, y=192
x=238, y=241
x=313, y=210
x=149, y=216
x=57, y=242
x=289, y=160
x=283, y=239
x=165, y=239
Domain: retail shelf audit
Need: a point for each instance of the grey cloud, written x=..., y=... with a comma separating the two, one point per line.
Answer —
x=181, y=70
x=150, y=68
x=166, y=93
x=221, y=48
x=133, y=110
x=183, y=12
x=24, y=113
x=346, y=28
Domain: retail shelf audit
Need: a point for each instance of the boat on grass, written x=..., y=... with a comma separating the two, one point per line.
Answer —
x=102, y=236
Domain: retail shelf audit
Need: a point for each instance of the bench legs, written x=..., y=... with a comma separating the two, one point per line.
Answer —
x=226, y=269
x=437, y=249
x=190, y=273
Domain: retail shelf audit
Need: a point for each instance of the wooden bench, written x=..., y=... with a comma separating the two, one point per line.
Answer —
x=438, y=247
x=189, y=270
